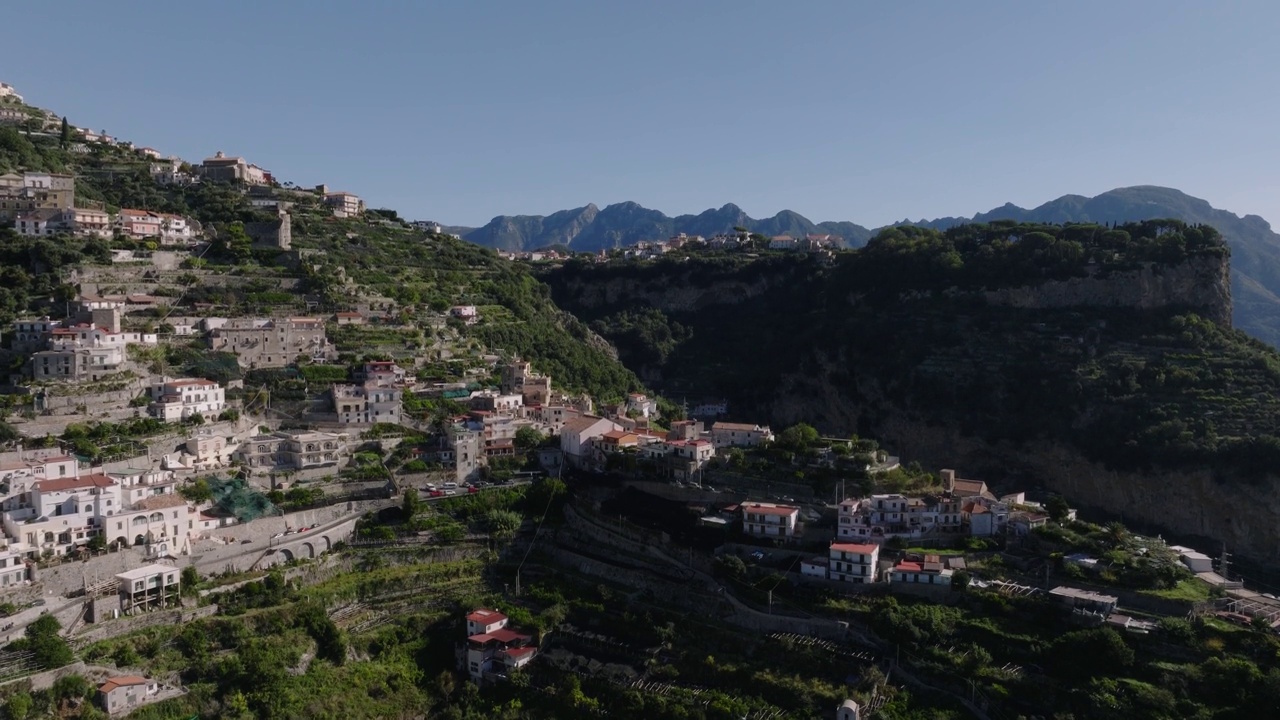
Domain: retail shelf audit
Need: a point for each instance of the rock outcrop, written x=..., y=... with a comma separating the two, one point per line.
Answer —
x=1201, y=284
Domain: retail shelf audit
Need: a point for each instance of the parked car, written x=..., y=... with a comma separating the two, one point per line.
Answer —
x=473, y=489
x=437, y=493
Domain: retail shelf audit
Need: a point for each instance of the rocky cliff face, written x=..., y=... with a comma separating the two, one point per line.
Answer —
x=1202, y=283
x=970, y=378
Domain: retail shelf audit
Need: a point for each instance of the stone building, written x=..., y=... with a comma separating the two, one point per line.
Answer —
x=270, y=342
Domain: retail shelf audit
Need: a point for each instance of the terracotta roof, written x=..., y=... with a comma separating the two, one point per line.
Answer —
x=121, y=681
x=864, y=549
x=908, y=566
x=520, y=651
x=485, y=615
x=87, y=481
x=977, y=487
x=502, y=635
x=580, y=424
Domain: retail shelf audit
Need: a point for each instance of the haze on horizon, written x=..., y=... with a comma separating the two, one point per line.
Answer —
x=458, y=112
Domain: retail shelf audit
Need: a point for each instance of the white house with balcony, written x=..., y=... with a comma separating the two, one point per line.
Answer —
x=60, y=513
x=203, y=451
x=293, y=450
x=151, y=587
x=174, y=400
x=853, y=562
x=767, y=520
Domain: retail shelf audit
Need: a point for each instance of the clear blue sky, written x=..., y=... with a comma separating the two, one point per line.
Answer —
x=871, y=112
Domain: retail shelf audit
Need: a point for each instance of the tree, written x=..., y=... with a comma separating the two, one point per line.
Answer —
x=730, y=566
x=527, y=438
x=412, y=504
x=503, y=523
x=1058, y=508
x=960, y=580
x=798, y=437
x=547, y=495
x=66, y=131
x=190, y=579
x=42, y=638
x=19, y=706
x=197, y=491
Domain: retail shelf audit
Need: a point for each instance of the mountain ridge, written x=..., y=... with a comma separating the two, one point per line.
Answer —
x=626, y=223
x=1255, y=247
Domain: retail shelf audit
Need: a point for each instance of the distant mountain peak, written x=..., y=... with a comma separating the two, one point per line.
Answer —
x=628, y=222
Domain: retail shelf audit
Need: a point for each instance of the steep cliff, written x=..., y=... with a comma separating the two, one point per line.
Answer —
x=1201, y=283
x=1111, y=376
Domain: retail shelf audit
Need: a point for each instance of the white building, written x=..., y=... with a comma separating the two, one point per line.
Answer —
x=202, y=451
x=366, y=404
x=853, y=562
x=768, y=520
x=293, y=450
x=8, y=91
x=641, y=405
x=577, y=434
x=13, y=568
x=344, y=204
x=58, y=514
x=496, y=649
x=726, y=434
x=150, y=587
x=44, y=222
x=929, y=572
x=182, y=398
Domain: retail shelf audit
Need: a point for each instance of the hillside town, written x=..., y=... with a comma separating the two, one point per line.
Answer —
x=192, y=438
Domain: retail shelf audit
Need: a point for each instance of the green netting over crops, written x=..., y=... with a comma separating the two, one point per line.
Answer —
x=233, y=496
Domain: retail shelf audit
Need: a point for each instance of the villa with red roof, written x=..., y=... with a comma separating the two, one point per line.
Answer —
x=493, y=649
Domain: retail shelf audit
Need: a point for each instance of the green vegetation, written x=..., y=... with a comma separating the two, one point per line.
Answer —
x=902, y=327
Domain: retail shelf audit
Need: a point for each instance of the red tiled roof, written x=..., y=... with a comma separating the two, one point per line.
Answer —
x=905, y=566
x=864, y=549
x=88, y=481
x=520, y=651
x=486, y=616
x=502, y=635
x=121, y=681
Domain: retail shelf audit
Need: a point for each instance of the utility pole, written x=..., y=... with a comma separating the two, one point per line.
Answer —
x=770, y=602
